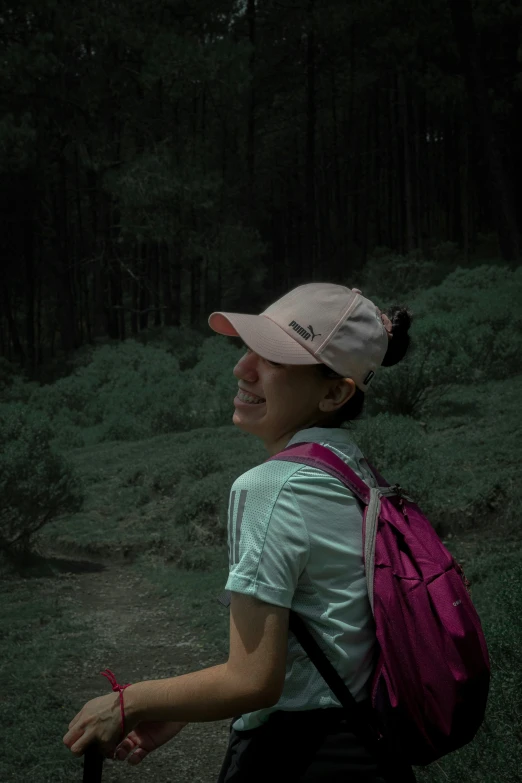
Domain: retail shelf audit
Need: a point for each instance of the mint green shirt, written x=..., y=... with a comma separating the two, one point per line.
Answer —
x=295, y=540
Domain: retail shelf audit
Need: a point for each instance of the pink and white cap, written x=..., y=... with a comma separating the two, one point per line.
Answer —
x=316, y=323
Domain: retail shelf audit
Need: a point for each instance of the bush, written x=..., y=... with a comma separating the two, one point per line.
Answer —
x=399, y=448
x=203, y=509
x=212, y=383
x=128, y=391
x=436, y=360
x=390, y=441
x=131, y=391
x=479, y=307
x=201, y=460
x=7, y=373
x=122, y=427
x=14, y=386
x=36, y=484
x=461, y=333
x=179, y=341
x=391, y=275
x=68, y=437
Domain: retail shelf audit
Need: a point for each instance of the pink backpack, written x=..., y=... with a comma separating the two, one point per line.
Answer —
x=431, y=681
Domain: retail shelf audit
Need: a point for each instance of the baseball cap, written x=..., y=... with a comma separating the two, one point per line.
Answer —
x=315, y=323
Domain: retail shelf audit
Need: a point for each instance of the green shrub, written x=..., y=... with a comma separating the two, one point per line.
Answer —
x=391, y=275
x=195, y=558
x=203, y=507
x=398, y=447
x=128, y=391
x=36, y=484
x=461, y=333
x=8, y=372
x=436, y=360
x=478, y=307
x=212, y=383
x=390, y=441
x=121, y=426
x=67, y=436
x=131, y=391
x=179, y=341
x=14, y=386
x=201, y=459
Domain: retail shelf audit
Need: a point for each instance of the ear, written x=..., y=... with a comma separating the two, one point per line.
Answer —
x=338, y=395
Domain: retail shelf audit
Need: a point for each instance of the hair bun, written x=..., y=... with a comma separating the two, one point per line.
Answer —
x=401, y=319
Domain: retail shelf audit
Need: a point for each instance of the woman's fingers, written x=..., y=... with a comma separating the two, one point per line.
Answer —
x=137, y=757
x=128, y=751
x=124, y=749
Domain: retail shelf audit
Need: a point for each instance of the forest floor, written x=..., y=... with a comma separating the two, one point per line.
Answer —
x=135, y=634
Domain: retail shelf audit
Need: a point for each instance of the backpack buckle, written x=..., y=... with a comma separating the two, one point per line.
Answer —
x=401, y=494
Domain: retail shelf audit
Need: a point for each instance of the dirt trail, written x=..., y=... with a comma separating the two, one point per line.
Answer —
x=133, y=635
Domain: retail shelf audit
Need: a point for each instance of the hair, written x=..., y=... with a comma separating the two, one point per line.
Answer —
x=401, y=319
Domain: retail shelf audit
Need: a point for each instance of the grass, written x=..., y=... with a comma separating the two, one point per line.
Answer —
x=142, y=500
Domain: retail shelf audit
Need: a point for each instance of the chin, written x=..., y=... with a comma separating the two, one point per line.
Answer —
x=236, y=420
x=241, y=425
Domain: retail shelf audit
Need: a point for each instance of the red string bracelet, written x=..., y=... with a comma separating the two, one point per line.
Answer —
x=115, y=687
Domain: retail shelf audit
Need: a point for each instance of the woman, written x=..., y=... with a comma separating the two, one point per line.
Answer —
x=294, y=541
x=295, y=532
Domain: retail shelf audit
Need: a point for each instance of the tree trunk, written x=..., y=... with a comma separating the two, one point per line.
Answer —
x=464, y=188
x=397, y=234
x=336, y=168
x=365, y=184
x=176, y=281
x=407, y=193
x=98, y=222
x=135, y=289
x=417, y=174
x=308, y=269
x=155, y=261
x=195, y=293
x=114, y=274
x=348, y=141
x=166, y=288
x=11, y=323
x=251, y=17
x=28, y=251
x=503, y=201
x=39, y=355
x=65, y=288
x=144, y=300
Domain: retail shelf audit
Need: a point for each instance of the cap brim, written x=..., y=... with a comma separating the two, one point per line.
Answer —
x=263, y=336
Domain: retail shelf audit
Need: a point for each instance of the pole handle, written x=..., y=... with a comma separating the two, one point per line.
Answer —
x=93, y=764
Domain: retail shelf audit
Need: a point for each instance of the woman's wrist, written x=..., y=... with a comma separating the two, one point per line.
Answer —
x=133, y=709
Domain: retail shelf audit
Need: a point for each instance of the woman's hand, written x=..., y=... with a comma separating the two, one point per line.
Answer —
x=145, y=738
x=99, y=721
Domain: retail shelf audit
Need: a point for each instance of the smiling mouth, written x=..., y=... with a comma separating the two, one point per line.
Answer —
x=251, y=399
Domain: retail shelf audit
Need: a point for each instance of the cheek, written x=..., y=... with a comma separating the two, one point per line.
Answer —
x=292, y=398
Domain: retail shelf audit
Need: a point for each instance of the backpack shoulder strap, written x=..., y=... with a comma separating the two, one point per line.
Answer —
x=364, y=727
x=318, y=456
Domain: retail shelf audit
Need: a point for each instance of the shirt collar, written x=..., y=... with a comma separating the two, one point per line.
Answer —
x=321, y=435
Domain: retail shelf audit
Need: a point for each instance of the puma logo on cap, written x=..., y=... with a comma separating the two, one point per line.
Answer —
x=305, y=334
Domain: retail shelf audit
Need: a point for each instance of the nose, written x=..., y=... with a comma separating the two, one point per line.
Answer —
x=246, y=368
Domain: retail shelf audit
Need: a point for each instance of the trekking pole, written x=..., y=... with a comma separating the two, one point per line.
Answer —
x=93, y=764
x=93, y=757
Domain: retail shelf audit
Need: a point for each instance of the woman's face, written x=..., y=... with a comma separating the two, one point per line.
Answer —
x=294, y=397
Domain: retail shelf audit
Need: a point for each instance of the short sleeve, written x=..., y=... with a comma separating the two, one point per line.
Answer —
x=268, y=542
